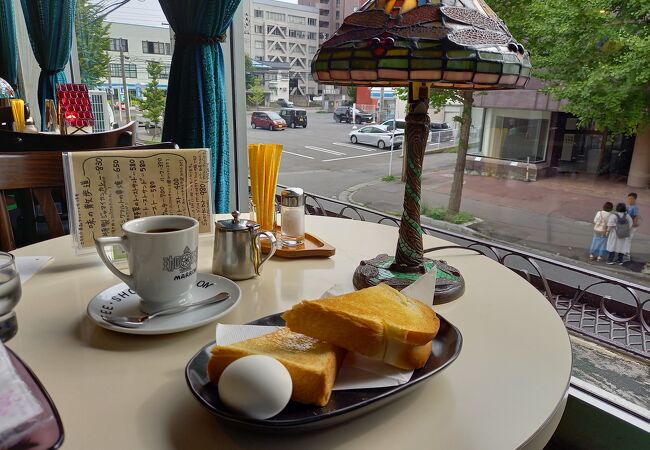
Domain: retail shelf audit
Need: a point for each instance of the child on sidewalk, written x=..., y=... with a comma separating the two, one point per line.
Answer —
x=619, y=225
x=598, y=248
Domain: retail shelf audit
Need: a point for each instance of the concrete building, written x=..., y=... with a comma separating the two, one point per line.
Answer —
x=141, y=44
x=274, y=79
x=331, y=13
x=276, y=31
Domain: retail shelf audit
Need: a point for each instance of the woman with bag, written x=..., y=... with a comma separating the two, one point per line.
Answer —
x=619, y=226
x=598, y=248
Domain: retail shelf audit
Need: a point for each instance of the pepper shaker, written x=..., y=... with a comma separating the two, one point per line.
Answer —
x=292, y=213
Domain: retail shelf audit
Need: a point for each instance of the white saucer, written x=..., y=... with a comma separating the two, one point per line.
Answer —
x=119, y=300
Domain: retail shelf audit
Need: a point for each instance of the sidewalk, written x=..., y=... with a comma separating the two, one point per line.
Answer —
x=553, y=215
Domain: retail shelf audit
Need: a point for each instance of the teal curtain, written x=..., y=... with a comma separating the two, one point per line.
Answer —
x=8, y=48
x=195, y=112
x=49, y=25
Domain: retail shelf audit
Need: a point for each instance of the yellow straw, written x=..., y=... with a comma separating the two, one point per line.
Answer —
x=18, y=109
x=264, y=165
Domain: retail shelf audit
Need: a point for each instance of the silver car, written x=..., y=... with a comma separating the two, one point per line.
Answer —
x=377, y=135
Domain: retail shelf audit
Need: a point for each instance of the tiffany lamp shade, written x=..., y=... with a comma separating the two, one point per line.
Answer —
x=420, y=44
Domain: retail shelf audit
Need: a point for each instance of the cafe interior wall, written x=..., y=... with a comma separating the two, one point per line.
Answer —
x=29, y=70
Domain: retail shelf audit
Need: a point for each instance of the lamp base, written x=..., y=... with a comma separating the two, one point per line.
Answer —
x=449, y=282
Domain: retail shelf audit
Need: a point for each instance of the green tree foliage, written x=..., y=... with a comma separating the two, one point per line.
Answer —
x=92, y=43
x=352, y=94
x=250, y=75
x=153, y=103
x=255, y=94
x=592, y=53
x=438, y=98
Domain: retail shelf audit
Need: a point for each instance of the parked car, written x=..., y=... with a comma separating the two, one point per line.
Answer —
x=397, y=124
x=344, y=114
x=270, y=120
x=284, y=103
x=294, y=117
x=377, y=135
x=441, y=132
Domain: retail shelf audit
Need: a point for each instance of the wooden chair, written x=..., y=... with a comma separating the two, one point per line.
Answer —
x=38, y=174
x=30, y=172
x=11, y=141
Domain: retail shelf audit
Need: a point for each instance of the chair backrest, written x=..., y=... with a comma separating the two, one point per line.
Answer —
x=11, y=141
x=38, y=172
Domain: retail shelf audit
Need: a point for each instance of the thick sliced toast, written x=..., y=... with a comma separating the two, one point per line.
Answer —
x=379, y=322
x=312, y=364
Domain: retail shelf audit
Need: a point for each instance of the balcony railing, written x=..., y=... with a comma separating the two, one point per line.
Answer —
x=611, y=311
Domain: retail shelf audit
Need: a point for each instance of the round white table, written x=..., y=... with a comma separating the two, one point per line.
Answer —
x=506, y=390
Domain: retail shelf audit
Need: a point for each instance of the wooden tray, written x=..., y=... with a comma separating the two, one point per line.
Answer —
x=312, y=247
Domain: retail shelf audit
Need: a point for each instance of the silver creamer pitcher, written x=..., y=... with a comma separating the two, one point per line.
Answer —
x=237, y=248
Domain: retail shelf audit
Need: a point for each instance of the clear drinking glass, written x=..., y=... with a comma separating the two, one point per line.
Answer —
x=10, y=292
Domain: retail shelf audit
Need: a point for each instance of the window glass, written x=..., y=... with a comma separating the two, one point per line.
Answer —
x=259, y=29
x=516, y=135
x=130, y=70
x=312, y=22
x=259, y=13
x=115, y=45
x=155, y=48
x=278, y=17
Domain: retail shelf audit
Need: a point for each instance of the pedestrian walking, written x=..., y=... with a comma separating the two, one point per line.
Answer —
x=598, y=250
x=633, y=211
x=619, y=226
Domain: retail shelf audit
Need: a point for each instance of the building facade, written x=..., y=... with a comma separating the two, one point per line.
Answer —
x=140, y=44
x=524, y=134
x=280, y=32
x=330, y=17
x=274, y=79
x=331, y=13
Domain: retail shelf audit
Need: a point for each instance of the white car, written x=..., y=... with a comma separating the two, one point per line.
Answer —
x=377, y=135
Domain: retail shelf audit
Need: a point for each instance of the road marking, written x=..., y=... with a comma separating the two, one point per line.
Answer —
x=365, y=149
x=362, y=156
x=324, y=150
x=298, y=154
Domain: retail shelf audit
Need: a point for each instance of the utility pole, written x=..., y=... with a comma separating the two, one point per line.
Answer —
x=381, y=105
x=110, y=84
x=127, y=103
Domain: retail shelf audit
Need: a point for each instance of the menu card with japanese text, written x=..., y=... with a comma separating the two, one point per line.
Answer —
x=108, y=188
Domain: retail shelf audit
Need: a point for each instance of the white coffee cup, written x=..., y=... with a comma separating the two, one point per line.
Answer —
x=162, y=252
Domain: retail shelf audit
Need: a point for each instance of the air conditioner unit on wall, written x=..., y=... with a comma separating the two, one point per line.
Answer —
x=101, y=111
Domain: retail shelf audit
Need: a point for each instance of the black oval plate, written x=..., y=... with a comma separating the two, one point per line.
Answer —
x=343, y=405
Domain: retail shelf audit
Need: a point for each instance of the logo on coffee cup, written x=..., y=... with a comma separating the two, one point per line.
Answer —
x=182, y=262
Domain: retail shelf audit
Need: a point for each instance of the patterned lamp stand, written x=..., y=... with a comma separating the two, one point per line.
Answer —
x=419, y=44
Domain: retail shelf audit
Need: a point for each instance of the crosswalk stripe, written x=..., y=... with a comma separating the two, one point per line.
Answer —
x=360, y=156
x=298, y=154
x=324, y=150
x=365, y=149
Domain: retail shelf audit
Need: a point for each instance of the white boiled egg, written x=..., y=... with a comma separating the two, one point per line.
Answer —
x=255, y=386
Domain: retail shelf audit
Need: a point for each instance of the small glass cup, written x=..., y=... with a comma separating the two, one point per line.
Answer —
x=10, y=292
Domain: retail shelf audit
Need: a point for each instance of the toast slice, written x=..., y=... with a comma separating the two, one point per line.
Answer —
x=312, y=364
x=379, y=322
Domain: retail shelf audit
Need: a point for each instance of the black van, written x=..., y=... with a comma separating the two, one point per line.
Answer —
x=294, y=117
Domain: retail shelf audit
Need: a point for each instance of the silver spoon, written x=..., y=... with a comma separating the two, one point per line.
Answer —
x=136, y=321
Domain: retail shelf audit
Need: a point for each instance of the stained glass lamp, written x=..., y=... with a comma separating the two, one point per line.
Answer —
x=420, y=44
